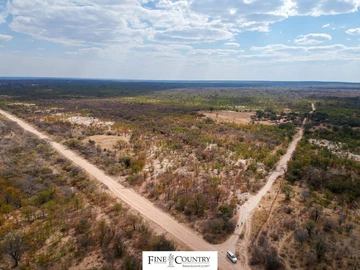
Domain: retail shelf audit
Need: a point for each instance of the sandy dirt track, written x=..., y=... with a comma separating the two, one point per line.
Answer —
x=247, y=209
x=134, y=200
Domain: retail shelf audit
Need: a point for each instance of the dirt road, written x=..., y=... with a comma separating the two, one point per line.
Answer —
x=313, y=107
x=247, y=209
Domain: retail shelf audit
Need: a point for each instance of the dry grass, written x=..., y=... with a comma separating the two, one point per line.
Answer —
x=230, y=116
x=240, y=118
x=107, y=141
x=89, y=121
x=287, y=216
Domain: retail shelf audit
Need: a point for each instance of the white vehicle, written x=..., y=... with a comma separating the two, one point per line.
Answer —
x=231, y=256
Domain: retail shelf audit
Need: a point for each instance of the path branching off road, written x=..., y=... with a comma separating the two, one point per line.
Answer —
x=247, y=209
x=147, y=209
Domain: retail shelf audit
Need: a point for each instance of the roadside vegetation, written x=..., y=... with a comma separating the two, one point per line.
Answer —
x=315, y=223
x=52, y=216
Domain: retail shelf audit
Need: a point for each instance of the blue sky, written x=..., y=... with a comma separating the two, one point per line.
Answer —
x=181, y=39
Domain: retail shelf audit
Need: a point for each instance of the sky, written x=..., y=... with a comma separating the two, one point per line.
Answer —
x=287, y=40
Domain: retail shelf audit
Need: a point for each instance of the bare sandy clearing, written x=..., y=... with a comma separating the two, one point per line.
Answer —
x=234, y=117
x=89, y=121
x=230, y=116
x=336, y=148
x=22, y=104
x=107, y=141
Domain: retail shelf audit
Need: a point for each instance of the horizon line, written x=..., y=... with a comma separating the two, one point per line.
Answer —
x=170, y=80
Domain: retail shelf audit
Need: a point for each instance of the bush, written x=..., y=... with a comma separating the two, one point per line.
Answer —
x=226, y=211
x=126, y=161
x=160, y=243
x=328, y=225
x=131, y=263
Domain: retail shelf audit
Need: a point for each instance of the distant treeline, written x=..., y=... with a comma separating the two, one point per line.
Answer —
x=49, y=88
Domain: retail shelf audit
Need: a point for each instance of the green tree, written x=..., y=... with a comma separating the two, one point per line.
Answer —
x=309, y=226
x=119, y=245
x=199, y=204
x=320, y=247
x=102, y=229
x=288, y=191
x=13, y=245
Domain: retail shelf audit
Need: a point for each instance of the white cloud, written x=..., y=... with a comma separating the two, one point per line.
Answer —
x=192, y=35
x=232, y=44
x=79, y=22
x=134, y=54
x=278, y=9
x=274, y=68
x=282, y=47
x=312, y=39
x=217, y=8
x=215, y=52
x=143, y=32
x=242, y=15
x=3, y=12
x=93, y=22
x=353, y=31
x=90, y=51
x=233, y=11
x=5, y=38
x=325, y=7
x=108, y=22
x=285, y=53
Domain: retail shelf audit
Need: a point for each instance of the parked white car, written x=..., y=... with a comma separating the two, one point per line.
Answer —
x=231, y=256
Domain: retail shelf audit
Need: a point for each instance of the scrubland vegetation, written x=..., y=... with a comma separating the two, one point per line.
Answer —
x=195, y=167
x=174, y=155
x=53, y=217
x=315, y=223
